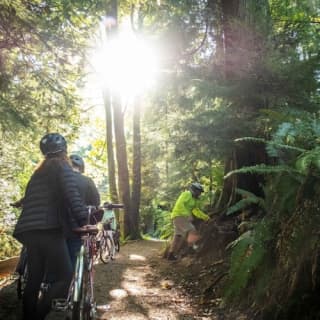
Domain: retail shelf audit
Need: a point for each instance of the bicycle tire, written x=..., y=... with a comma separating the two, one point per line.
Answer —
x=84, y=305
x=87, y=304
x=117, y=245
x=105, y=253
x=77, y=291
x=82, y=309
x=112, y=247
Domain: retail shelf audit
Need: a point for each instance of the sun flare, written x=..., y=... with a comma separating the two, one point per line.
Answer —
x=126, y=64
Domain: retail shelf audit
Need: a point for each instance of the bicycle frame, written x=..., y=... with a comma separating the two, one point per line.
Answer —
x=80, y=299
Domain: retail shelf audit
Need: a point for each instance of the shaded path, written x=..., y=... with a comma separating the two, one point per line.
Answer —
x=135, y=290
x=138, y=285
x=130, y=285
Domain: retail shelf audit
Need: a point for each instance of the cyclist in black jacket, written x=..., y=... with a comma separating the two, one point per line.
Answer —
x=51, y=189
x=89, y=194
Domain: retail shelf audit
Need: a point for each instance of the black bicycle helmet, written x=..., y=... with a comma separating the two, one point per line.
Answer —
x=53, y=143
x=196, y=186
x=78, y=162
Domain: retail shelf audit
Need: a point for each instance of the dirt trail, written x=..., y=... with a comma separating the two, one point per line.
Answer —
x=134, y=289
x=132, y=285
x=140, y=285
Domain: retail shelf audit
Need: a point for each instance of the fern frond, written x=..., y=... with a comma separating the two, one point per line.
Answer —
x=270, y=143
x=262, y=169
x=249, y=254
x=308, y=159
x=249, y=198
x=246, y=235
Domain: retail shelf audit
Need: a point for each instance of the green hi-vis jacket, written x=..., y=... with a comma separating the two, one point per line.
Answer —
x=186, y=205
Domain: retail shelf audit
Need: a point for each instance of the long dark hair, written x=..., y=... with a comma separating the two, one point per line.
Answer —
x=52, y=161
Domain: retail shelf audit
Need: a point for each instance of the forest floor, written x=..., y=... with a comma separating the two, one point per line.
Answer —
x=140, y=284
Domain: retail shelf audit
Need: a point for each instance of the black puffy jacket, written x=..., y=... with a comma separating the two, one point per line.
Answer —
x=90, y=196
x=49, y=192
x=87, y=189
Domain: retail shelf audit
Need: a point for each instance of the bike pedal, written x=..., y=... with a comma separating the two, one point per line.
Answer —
x=60, y=304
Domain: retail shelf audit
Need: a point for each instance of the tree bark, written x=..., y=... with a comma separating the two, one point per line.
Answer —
x=229, y=9
x=122, y=160
x=136, y=176
x=113, y=192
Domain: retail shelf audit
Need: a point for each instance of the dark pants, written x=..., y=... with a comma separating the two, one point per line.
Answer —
x=47, y=251
x=74, y=245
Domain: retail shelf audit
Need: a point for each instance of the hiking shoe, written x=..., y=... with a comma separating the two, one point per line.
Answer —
x=172, y=257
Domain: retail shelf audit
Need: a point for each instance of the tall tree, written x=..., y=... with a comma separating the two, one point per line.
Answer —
x=120, y=139
x=113, y=191
x=136, y=172
x=122, y=160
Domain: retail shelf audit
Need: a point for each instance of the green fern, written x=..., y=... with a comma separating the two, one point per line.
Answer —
x=248, y=199
x=310, y=158
x=249, y=252
x=263, y=169
x=271, y=146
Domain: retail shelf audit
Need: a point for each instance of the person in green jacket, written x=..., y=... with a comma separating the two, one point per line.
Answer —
x=187, y=205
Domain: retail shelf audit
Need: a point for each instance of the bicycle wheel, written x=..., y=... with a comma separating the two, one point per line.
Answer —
x=82, y=309
x=112, y=247
x=117, y=245
x=105, y=250
x=116, y=240
x=89, y=310
x=77, y=287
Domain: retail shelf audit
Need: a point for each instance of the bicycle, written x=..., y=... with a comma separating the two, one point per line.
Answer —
x=108, y=237
x=80, y=299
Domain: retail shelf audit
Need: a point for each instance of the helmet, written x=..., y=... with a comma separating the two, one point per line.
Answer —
x=77, y=161
x=196, y=186
x=53, y=143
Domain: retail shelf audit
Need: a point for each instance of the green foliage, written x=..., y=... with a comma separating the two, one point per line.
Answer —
x=249, y=254
x=263, y=169
x=309, y=159
x=41, y=69
x=8, y=245
x=285, y=240
x=248, y=198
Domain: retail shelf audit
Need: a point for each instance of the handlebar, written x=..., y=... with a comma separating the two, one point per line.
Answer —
x=106, y=205
x=96, y=213
x=91, y=229
x=111, y=206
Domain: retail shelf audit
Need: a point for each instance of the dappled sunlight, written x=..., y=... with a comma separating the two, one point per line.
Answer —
x=125, y=316
x=137, y=257
x=132, y=292
x=118, y=294
x=163, y=314
x=134, y=282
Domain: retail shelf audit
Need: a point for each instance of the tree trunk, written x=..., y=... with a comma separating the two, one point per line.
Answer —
x=136, y=177
x=122, y=160
x=229, y=10
x=113, y=192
